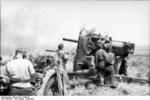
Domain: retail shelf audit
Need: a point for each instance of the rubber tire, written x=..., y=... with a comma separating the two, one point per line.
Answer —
x=50, y=84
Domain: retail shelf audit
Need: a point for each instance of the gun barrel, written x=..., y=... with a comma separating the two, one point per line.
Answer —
x=70, y=40
x=51, y=50
x=118, y=41
x=75, y=41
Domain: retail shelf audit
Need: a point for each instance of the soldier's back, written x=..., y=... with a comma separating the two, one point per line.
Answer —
x=100, y=59
x=100, y=54
x=110, y=57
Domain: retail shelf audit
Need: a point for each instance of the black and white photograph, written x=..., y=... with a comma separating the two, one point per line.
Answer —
x=74, y=48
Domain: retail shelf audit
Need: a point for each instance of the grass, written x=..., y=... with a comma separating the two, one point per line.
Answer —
x=82, y=87
x=139, y=66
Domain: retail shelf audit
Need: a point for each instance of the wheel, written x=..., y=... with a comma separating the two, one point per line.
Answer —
x=51, y=88
x=48, y=82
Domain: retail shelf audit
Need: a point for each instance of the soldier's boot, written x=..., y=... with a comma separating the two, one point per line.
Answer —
x=99, y=78
x=112, y=78
x=106, y=79
x=101, y=81
x=112, y=83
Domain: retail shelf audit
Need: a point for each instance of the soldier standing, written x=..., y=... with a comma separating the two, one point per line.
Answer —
x=100, y=63
x=124, y=60
x=61, y=61
x=62, y=56
x=109, y=69
x=20, y=71
x=124, y=66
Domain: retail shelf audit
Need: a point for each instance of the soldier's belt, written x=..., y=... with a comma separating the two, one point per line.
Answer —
x=101, y=60
x=107, y=64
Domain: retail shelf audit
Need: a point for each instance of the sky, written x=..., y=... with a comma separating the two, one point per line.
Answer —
x=44, y=23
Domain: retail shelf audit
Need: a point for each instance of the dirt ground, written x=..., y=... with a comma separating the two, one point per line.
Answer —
x=83, y=87
x=138, y=67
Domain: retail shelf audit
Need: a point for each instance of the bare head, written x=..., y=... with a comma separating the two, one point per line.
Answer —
x=99, y=45
x=60, y=46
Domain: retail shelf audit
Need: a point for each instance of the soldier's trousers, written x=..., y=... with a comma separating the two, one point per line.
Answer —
x=117, y=65
x=123, y=68
x=101, y=71
x=109, y=74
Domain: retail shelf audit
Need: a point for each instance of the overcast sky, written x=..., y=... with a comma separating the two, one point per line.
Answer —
x=44, y=23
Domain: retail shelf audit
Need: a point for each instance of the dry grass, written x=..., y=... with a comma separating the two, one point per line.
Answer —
x=81, y=87
x=139, y=66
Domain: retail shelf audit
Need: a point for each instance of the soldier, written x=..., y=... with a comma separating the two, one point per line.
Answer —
x=61, y=59
x=124, y=61
x=61, y=55
x=20, y=71
x=124, y=66
x=109, y=69
x=100, y=63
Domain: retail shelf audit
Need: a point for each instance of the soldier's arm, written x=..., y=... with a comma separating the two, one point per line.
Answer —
x=113, y=59
x=31, y=71
x=104, y=55
x=96, y=58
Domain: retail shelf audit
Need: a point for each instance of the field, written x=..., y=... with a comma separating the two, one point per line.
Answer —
x=139, y=67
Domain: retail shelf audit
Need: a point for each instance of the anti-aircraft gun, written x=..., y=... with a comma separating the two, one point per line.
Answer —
x=87, y=47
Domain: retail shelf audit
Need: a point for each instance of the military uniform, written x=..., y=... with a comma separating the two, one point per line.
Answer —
x=123, y=66
x=124, y=60
x=109, y=70
x=100, y=64
x=62, y=58
x=20, y=72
